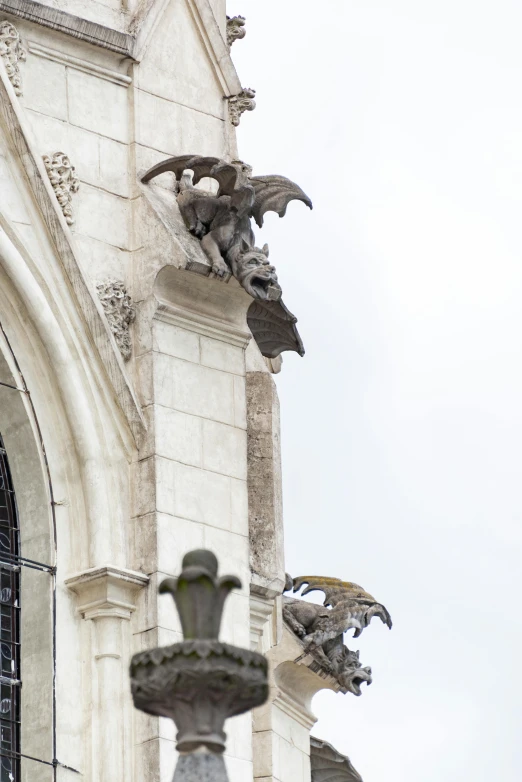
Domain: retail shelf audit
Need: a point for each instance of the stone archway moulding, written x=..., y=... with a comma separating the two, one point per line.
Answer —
x=77, y=405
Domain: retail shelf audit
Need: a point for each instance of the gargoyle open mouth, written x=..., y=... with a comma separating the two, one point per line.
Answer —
x=262, y=284
x=352, y=682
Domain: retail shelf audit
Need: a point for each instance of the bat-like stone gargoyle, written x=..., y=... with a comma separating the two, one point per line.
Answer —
x=322, y=628
x=222, y=221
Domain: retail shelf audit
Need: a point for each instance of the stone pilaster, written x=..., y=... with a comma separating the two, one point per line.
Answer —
x=106, y=597
x=193, y=470
x=282, y=725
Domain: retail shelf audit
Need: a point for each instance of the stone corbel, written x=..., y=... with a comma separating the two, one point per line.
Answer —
x=106, y=591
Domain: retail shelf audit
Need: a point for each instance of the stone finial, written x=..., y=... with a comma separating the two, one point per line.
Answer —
x=62, y=176
x=200, y=682
x=12, y=52
x=120, y=312
x=321, y=628
x=235, y=29
x=237, y=104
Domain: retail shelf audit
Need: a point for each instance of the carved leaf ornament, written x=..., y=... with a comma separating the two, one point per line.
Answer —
x=12, y=52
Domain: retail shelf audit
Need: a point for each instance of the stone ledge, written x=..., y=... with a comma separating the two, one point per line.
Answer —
x=63, y=22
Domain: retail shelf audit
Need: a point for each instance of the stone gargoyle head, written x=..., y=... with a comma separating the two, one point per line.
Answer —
x=256, y=274
x=351, y=675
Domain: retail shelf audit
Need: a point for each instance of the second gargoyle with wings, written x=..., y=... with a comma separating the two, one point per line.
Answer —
x=222, y=221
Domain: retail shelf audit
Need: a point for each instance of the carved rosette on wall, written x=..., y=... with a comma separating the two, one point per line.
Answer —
x=237, y=104
x=235, y=29
x=120, y=312
x=62, y=176
x=12, y=52
x=321, y=628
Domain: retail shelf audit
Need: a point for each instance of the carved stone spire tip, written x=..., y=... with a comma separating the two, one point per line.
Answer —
x=200, y=682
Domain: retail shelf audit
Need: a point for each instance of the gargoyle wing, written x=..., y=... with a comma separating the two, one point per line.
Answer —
x=224, y=173
x=273, y=194
x=328, y=765
x=351, y=606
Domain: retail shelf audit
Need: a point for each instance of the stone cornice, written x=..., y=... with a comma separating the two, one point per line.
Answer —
x=63, y=22
x=134, y=46
x=78, y=64
x=202, y=324
x=106, y=591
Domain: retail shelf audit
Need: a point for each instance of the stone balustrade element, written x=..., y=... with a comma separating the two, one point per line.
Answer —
x=199, y=682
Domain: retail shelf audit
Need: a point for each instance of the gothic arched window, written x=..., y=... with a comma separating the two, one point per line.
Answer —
x=27, y=731
x=10, y=681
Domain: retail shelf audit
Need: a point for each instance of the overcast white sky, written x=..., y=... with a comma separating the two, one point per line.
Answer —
x=402, y=426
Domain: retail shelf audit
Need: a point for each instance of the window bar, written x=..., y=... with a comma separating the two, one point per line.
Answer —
x=15, y=567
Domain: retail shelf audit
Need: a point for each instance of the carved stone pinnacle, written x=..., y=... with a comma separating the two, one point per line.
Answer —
x=237, y=104
x=12, y=52
x=200, y=682
x=235, y=29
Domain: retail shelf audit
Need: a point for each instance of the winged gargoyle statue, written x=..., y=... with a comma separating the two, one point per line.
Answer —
x=322, y=628
x=222, y=221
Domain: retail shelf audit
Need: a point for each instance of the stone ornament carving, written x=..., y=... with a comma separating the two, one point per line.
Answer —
x=237, y=104
x=222, y=223
x=274, y=328
x=120, y=312
x=328, y=765
x=235, y=29
x=62, y=176
x=200, y=682
x=321, y=628
x=12, y=52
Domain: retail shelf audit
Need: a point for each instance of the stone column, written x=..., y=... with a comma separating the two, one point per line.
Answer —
x=106, y=599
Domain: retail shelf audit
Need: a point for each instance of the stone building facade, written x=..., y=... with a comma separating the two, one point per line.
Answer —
x=138, y=411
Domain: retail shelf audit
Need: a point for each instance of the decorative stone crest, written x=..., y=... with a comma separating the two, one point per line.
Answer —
x=12, y=52
x=237, y=104
x=235, y=29
x=322, y=628
x=200, y=682
x=120, y=312
x=62, y=176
